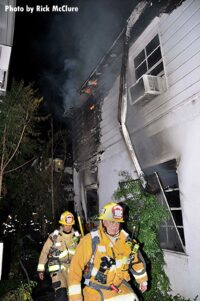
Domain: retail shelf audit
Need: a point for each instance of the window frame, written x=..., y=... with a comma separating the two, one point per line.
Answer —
x=170, y=209
x=146, y=60
x=140, y=43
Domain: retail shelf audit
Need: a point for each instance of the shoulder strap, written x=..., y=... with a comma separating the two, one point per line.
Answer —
x=95, y=240
x=135, y=250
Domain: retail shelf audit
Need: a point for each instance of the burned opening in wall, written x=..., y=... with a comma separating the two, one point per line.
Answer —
x=171, y=232
x=92, y=202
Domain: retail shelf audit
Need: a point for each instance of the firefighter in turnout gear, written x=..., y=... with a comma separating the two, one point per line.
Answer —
x=56, y=255
x=106, y=256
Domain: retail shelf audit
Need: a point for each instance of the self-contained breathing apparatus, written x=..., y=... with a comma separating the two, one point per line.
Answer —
x=53, y=263
x=56, y=257
x=106, y=263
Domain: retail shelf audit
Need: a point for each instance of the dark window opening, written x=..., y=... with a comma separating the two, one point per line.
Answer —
x=157, y=70
x=70, y=206
x=139, y=58
x=154, y=58
x=171, y=232
x=152, y=45
x=141, y=70
x=92, y=203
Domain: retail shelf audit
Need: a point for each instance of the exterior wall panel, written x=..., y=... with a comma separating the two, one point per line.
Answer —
x=182, y=63
x=168, y=128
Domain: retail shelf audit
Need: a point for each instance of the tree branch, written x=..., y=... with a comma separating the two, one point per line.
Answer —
x=18, y=167
x=18, y=144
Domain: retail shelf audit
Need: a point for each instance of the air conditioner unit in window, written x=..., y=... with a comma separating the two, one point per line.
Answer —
x=146, y=88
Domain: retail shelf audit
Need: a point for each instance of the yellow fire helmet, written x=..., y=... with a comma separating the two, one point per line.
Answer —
x=67, y=219
x=112, y=212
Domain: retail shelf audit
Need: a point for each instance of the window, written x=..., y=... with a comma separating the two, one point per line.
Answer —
x=149, y=60
x=171, y=232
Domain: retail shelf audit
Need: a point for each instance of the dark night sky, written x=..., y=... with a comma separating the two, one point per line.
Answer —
x=58, y=51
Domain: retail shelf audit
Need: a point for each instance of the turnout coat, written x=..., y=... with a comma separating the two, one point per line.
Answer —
x=116, y=287
x=56, y=255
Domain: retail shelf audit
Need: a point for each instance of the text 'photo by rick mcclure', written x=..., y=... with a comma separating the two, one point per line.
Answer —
x=41, y=8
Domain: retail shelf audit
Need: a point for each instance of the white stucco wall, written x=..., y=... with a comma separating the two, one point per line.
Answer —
x=115, y=157
x=182, y=141
x=109, y=169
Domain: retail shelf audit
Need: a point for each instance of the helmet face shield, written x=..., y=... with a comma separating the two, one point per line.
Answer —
x=112, y=212
x=67, y=219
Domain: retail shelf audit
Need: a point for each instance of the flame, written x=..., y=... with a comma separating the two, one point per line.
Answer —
x=92, y=107
x=87, y=90
x=92, y=82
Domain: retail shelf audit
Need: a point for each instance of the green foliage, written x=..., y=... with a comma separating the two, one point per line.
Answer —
x=27, y=208
x=21, y=293
x=145, y=218
x=18, y=130
x=7, y=286
x=18, y=116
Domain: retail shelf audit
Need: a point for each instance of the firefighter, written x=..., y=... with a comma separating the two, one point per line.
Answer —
x=106, y=256
x=56, y=255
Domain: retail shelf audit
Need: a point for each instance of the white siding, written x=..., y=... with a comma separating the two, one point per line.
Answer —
x=171, y=121
x=180, y=41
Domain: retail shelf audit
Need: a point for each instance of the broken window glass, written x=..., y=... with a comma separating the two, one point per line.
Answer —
x=164, y=177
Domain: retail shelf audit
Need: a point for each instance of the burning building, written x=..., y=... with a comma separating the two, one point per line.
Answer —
x=142, y=114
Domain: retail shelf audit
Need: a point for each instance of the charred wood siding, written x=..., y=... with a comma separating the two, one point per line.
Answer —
x=87, y=127
x=86, y=133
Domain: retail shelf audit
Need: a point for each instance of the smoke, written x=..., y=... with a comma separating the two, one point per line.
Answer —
x=69, y=89
x=60, y=50
x=81, y=40
x=93, y=31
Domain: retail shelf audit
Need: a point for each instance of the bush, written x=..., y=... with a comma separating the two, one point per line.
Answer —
x=145, y=215
x=21, y=293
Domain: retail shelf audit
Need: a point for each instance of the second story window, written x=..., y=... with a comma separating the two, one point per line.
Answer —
x=149, y=60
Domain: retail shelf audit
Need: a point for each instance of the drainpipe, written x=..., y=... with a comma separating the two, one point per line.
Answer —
x=122, y=105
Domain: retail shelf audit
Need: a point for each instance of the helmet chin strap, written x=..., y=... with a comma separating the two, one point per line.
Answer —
x=67, y=232
x=113, y=235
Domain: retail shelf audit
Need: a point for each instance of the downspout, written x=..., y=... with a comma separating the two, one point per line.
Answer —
x=122, y=104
